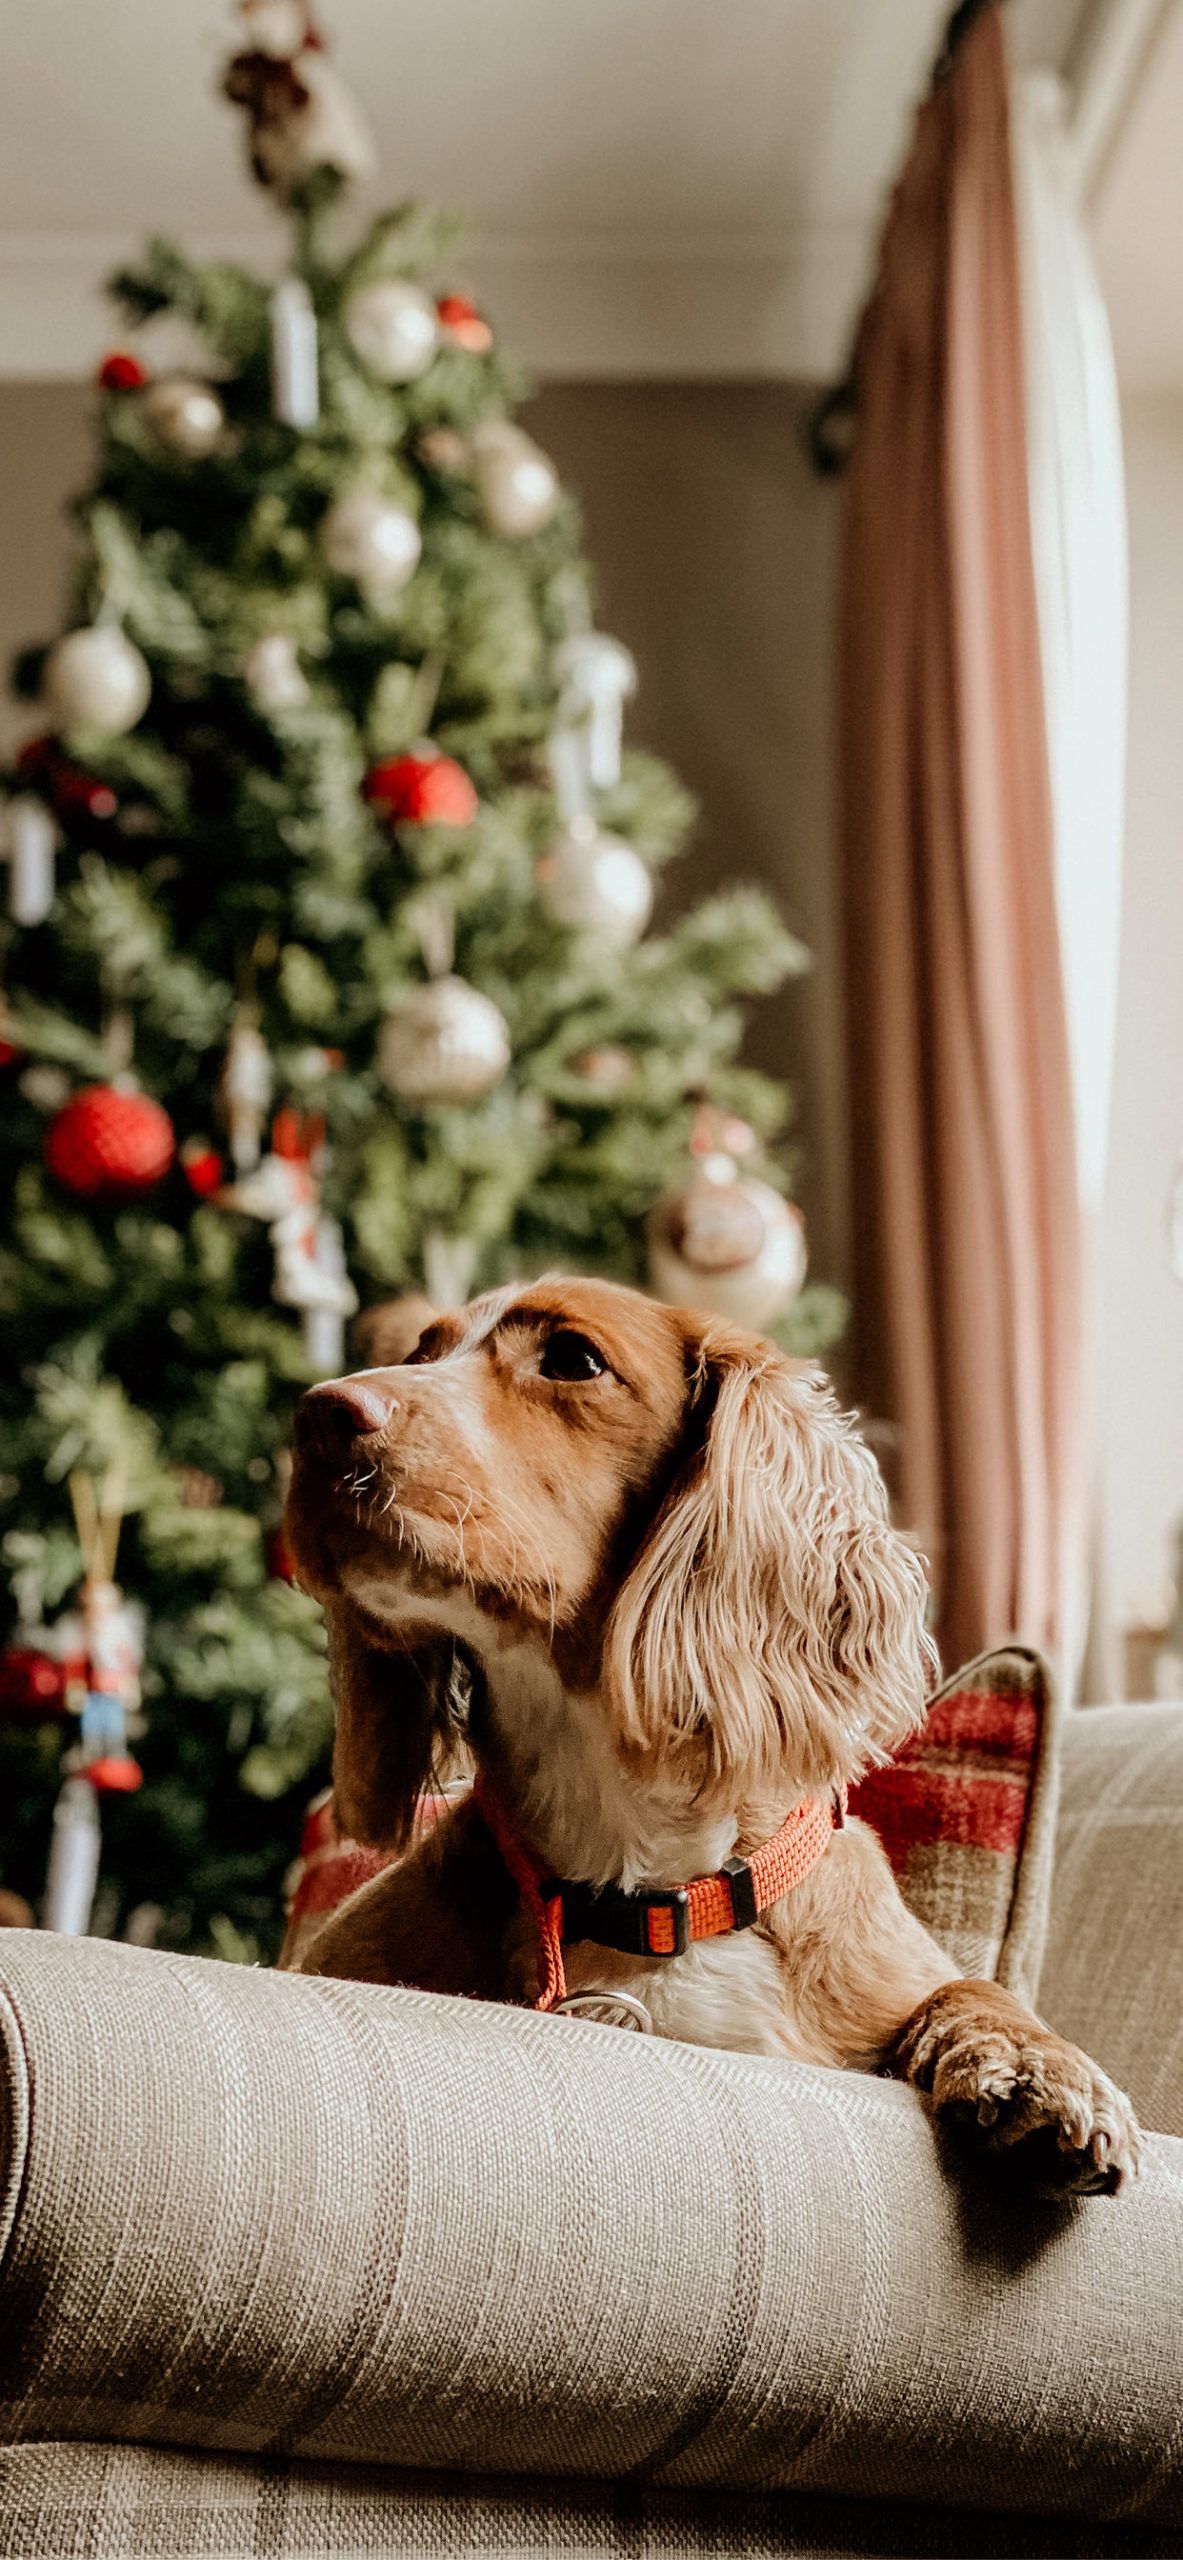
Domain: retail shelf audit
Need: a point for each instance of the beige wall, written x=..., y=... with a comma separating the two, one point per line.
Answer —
x=713, y=546
x=1142, y=1314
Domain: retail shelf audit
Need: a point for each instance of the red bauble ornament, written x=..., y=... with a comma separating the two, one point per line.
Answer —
x=420, y=791
x=105, y=1142
x=70, y=791
x=32, y=1684
x=464, y=324
x=118, y=1775
x=202, y=1166
x=122, y=372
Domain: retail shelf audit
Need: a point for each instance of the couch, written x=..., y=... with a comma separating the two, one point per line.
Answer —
x=300, y=2269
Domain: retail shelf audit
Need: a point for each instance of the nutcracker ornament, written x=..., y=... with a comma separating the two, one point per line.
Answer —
x=99, y=1645
x=596, y=677
x=726, y=1242
x=283, y=1189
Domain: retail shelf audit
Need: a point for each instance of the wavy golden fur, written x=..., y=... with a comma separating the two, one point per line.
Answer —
x=645, y=1562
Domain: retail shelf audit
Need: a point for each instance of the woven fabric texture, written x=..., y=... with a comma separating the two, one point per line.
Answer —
x=967, y=1814
x=130, y=2502
x=271, y=2214
x=1113, y=1972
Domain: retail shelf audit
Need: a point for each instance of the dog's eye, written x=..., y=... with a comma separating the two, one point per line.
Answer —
x=571, y=1357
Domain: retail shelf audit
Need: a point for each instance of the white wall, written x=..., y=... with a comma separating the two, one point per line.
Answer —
x=1142, y=1304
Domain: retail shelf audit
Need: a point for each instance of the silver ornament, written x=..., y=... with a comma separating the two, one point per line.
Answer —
x=369, y=538
x=97, y=679
x=446, y=1042
x=187, y=415
x=597, y=675
x=393, y=327
x=594, y=883
x=517, y=485
x=728, y=1244
x=273, y=675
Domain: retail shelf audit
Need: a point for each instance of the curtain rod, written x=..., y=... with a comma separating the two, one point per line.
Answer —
x=834, y=418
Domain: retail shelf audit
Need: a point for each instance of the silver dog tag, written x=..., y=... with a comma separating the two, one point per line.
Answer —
x=607, y=2009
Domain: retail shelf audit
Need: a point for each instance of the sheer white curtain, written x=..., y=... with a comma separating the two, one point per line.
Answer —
x=1078, y=533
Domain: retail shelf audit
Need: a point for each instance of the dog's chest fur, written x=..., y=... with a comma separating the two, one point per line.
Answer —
x=551, y=1754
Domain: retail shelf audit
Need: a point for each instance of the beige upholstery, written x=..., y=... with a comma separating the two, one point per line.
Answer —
x=126, y=2502
x=1113, y=1968
x=319, y=2227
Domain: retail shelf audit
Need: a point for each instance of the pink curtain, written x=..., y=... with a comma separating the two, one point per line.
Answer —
x=969, y=1279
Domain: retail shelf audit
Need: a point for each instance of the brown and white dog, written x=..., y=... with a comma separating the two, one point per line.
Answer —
x=664, y=1555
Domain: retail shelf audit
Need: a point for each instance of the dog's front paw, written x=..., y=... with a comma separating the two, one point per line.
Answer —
x=997, y=2074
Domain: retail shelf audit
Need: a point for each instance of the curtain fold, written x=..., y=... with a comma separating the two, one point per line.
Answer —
x=969, y=1248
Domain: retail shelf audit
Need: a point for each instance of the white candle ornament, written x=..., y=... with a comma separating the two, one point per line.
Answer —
x=295, y=372
x=73, y=1869
x=31, y=845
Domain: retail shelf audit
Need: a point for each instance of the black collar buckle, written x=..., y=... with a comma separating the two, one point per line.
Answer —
x=612, y=1918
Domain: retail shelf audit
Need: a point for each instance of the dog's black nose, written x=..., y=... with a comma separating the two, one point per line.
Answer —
x=344, y=1409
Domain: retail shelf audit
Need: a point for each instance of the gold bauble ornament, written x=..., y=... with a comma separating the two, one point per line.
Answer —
x=371, y=539
x=186, y=414
x=97, y=679
x=392, y=326
x=273, y=675
x=517, y=485
x=594, y=883
x=729, y=1244
x=445, y=1042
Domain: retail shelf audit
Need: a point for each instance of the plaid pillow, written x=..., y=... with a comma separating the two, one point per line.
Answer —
x=965, y=1811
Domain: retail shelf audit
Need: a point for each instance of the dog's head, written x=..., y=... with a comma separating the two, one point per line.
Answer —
x=681, y=1515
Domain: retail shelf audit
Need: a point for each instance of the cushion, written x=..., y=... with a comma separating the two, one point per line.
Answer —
x=966, y=1812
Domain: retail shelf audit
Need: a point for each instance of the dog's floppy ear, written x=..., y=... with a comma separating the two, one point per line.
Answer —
x=773, y=1626
x=397, y=1726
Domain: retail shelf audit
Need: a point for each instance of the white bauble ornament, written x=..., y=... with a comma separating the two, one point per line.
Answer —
x=393, y=327
x=187, y=415
x=595, y=883
x=517, y=486
x=444, y=1043
x=369, y=538
x=273, y=675
x=96, y=679
x=728, y=1244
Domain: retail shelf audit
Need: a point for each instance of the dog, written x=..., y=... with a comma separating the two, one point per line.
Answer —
x=663, y=1555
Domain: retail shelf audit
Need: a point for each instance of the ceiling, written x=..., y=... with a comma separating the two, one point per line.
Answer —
x=655, y=186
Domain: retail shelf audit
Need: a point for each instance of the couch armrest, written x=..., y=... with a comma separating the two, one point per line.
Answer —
x=1112, y=1975
x=251, y=2210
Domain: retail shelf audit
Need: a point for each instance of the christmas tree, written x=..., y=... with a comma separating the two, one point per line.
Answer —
x=327, y=977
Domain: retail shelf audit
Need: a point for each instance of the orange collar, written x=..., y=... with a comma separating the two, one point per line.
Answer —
x=659, y=1920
